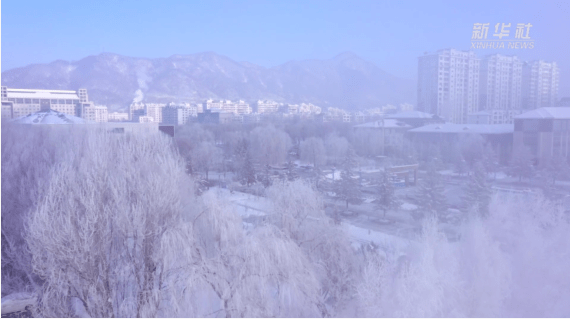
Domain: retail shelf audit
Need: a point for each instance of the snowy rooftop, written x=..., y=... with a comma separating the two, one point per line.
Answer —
x=41, y=94
x=546, y=113
x=49, y=117
x=386, y=123
x=466, y=128
x=411, y=115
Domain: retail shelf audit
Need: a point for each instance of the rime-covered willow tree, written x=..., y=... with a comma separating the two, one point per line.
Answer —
x=95, y=235
x=313, y=151
x=299, y=213
x=347, y=187
x=28, y=154
x=268, y=145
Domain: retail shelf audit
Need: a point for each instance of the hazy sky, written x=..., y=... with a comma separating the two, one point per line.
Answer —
x=390, y=34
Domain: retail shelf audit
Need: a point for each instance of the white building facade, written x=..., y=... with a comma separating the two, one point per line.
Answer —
x=21, y=102
x=540, y=84
x=97, y=114
x=448, y=84
x=500, y=83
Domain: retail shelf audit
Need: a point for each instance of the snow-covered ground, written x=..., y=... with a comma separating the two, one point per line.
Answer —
x=248, y=205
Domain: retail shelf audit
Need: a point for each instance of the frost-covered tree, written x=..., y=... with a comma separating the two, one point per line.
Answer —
x=206, y=156
x=268, y=145
x=28, y=155
x=521, y=164
x=95, y=236
x=299, y=213
x=430, y=196
x=260, y=273
x=347, y=187
x=502, y=265
x=336, y=148
x=313, y=151
x=386, y=196
x=478, y=192
x=190, y=136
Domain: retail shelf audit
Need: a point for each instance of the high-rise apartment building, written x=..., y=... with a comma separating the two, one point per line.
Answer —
x=500, y=83
x=448, y=84
x=540, y=84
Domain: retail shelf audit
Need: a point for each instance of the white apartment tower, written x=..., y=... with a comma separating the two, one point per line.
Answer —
x=500, y=83
x=448, y=84
x=540, y=84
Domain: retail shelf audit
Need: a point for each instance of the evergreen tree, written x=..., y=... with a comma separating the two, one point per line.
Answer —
x=490, y=160
x=265, y=177
x=461, y=166
x=246, y=173
x=347, y=186
x=478, y=192
x=386, y=197
x=317, y=173
x=430, y=197
x=555, y=167
x=291, y=171
x=521, y=164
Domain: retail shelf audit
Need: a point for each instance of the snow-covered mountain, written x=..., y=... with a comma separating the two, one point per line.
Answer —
x=346, y=81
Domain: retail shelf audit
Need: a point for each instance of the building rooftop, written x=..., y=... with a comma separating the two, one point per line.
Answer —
x=386, y=123
x=41, y=94
x=49, y=117
x=410, y=115
x=466, y=128
x=546, y=113
x=481, y=113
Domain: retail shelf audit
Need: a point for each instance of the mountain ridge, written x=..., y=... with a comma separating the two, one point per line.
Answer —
x=345, y=81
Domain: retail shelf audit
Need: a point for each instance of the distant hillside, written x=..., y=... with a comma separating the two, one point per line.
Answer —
x=345, y=81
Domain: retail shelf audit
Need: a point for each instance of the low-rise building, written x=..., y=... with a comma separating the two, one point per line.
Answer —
x=415, y=118
x=98, y=114
x=545, y=131
x=118, y=117
x=442, y=135
x=146, y=119
x=267, y=106
x=381, y=135
x=21, y=102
